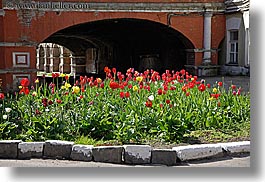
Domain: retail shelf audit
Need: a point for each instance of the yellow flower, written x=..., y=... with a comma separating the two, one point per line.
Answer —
x=215, y=90
x=76, y=89
x=20, y=87
x=62, y=75
x=135, y=88
x=34, y=94
x=99, y=80
x=139, y=78
x=211, y=98
x=67, y=85
x=37, y=81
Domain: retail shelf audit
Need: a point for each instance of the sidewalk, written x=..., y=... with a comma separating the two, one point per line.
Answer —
x=239, y=81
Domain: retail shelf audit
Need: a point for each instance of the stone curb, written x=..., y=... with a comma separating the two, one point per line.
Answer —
x=126, y=154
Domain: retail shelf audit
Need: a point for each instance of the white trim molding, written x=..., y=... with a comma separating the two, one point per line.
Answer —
x=21, y=59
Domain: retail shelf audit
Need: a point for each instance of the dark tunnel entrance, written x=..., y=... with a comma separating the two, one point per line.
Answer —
x=124, y=43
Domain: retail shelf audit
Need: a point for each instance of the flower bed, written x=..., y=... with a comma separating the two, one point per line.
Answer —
x=123, y=107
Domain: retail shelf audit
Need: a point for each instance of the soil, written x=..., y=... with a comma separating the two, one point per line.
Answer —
x=161, y=145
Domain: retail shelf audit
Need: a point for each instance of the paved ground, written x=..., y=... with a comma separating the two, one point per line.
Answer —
x=241, y=161
x=239, y=81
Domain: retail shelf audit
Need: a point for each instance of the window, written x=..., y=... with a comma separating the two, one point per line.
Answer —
x=233, y=47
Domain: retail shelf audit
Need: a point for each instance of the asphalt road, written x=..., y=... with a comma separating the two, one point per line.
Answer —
x=240, y=161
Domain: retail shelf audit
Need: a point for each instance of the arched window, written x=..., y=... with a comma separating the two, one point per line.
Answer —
x=54, y=58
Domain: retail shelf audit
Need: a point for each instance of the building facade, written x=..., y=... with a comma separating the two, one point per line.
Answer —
x=82, y=37
x=237, y=39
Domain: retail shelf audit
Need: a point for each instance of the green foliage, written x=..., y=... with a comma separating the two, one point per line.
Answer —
x=91, y=111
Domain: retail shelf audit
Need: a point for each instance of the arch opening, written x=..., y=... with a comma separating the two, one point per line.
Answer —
x=124, y=43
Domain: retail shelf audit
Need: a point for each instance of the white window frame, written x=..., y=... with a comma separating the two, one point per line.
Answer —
x=232, y=44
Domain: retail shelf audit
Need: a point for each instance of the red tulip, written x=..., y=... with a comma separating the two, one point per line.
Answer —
x=55, y=75
x=184, y=88
x=160, y=91
x=148, y=103
x=102, y=85
x=24, y=90
x=107, y=70
x=114, y=70
x=2, y=96
x=127, y=94
x=37, y=112
x=24, y=82
x=59, y=101
x=215, y=95
x=122, y=94
x=114, y=85
x=202, y=87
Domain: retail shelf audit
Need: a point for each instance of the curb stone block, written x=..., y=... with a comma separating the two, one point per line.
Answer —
x=8, y=149
x=57, y=149
x=27, y=150
x=164, y=156
x=137, y=154
x=193, y=152
x=81, y=153
x=236, y=147
x=110, y=154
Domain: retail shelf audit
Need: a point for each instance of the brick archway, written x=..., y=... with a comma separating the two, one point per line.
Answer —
x=185, y=20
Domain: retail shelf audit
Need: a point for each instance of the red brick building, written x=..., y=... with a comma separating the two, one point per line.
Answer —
x=82, y=37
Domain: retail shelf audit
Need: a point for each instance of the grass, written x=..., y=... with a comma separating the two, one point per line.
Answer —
x=194, y=137
x=86, y=140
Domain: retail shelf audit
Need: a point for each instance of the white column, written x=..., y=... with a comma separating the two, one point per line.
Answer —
x=73, y=65
x=61, y=60
x=51, y=49
x=247, y=41
x=207, y=37
x=45, y=57
x=38, y=58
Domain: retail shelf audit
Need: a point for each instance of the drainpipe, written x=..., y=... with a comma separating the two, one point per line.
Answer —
x=169, y=15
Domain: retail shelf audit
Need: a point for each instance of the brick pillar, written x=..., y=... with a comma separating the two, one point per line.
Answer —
x=18, y=62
